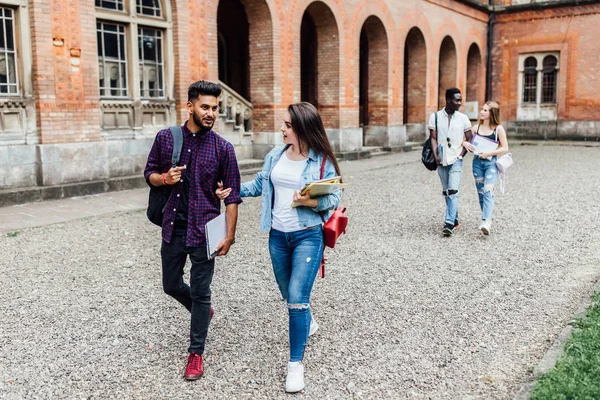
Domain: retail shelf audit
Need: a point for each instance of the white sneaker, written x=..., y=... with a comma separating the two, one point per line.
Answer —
x=295, y=377
x=313, y=327
x=486, y=226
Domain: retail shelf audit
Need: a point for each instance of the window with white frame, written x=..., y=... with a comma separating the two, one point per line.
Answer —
x=9, y=81
x=119, y=24
x=538, y=85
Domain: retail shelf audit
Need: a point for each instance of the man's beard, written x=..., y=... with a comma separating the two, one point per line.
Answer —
x=198, y=122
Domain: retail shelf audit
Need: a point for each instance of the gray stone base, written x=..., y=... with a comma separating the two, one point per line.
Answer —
x=346, y=139
x=40, y=193
x=385, y=136
x=553, y=130
x=416, y=132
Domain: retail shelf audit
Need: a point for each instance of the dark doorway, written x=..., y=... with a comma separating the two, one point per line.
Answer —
x=363, y=96
x=234, y=49
x=308, y=60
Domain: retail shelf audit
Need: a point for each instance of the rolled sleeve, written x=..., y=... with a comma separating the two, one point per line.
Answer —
x=331, y=201
x=231, y=175
x=153, y=164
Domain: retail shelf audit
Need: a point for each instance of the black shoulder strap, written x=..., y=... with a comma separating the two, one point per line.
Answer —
x=436, y=130
x=477, y=129
x=177, y=144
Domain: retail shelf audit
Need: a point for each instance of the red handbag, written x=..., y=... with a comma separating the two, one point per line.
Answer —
x=335, y=226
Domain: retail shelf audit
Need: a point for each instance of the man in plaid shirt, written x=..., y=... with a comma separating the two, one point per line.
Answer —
x=206, y=158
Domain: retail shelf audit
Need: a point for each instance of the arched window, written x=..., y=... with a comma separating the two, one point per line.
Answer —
x=549, y=79
x=530, y=80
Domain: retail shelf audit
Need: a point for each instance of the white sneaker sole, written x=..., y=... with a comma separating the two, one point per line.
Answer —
x=314, y=327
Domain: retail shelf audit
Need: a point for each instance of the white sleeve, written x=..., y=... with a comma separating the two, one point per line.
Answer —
x=431, y=124
x=467, y=122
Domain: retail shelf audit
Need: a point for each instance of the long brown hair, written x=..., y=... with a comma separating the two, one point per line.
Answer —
x=308, y=126
x=494, y=114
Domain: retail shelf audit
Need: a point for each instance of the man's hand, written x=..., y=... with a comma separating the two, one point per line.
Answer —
x=437, y=160
x=223, y=247
x=221, y=193
x=468, y=146
x=174, y=175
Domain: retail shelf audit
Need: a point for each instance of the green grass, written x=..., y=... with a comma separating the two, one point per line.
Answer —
x=576, y=375
x=12, y=234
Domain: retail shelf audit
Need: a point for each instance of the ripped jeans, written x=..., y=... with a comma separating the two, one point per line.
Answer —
x=296, y=257
x=450, y=177
x=486, y=177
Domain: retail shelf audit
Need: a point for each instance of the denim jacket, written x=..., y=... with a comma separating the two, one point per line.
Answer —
x=262, y=185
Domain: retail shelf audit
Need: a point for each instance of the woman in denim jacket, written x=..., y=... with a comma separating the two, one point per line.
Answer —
x=485, y=171
x=295, y=234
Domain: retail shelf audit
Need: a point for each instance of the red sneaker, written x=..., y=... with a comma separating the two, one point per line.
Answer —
x=194, y=368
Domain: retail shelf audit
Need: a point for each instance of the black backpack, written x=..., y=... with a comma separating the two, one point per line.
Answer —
x=427, y=154
x=159, y=196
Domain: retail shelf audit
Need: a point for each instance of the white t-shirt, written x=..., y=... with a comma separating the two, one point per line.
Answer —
x=286, y=177
x=454, y=130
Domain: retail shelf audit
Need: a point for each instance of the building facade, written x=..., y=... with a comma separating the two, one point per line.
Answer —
x=85, y=85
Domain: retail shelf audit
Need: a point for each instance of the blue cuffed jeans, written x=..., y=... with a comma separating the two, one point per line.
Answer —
x=296, y=257
x=450, y=177
x=485, y=173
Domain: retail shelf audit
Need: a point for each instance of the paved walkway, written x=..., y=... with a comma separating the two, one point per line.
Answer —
x=403, y=312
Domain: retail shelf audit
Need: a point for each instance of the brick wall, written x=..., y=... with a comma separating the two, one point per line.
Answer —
x=64, y=73
x=566, y=30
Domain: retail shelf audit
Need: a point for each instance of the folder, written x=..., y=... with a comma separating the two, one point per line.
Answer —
x=483, y=144
x=216, y=231
x=321, y=187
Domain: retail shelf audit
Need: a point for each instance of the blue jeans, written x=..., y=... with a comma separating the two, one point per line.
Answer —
x=450, y=176
x=486, y=177
x=296, y=257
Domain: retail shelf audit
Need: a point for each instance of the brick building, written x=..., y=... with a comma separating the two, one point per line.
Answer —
x=85, y=85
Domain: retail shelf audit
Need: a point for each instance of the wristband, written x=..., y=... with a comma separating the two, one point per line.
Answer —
x=164, y=178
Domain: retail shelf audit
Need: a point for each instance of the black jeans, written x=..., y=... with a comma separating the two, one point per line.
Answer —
x=196, y=296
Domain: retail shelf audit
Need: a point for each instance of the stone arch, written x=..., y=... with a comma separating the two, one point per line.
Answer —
x=373, y=80
x=415, y=77
x=320, y=63
x=448, y=60
x=248, y=25
x=475, y=90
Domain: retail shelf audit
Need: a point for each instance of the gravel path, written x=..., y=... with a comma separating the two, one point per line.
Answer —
x=403, y=312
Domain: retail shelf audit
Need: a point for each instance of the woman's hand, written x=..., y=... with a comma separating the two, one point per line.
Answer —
x=468, y=146
x=305, y=200
x=221, y=193
x=484, y=155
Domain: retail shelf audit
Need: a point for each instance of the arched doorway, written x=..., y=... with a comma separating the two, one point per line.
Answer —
x=415, y=84
x=234, y=49
x=373, y=82
x=245, y=45
x=447, y=69
x=319, y=62
x=475, y=88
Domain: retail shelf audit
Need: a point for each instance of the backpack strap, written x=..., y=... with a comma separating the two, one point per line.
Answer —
x=436, y=129
x=177, y=144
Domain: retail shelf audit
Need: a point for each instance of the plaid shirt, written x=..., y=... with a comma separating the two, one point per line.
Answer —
x=212, y=159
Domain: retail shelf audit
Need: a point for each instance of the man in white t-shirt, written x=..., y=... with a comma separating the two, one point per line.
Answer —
x=448, y=128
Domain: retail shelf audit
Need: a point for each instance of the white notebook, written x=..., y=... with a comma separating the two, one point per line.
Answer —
x=216, y=230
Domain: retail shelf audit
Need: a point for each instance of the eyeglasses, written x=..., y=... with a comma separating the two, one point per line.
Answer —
x=449, y=145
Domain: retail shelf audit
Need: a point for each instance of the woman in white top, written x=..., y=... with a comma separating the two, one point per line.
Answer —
x=485, y=171
x=295, y=233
